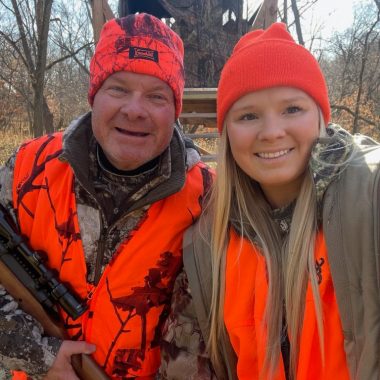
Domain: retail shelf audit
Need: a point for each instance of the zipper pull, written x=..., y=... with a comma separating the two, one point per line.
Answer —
x=90, y=293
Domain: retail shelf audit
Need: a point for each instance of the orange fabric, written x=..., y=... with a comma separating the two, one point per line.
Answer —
x=269, y=58
x=246, y=293
x=140, y=44
x=19, y=375
x=126, y=308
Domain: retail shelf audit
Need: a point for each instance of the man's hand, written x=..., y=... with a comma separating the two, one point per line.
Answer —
x=62, y=368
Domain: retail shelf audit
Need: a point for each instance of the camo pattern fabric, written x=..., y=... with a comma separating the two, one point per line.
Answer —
x=183, y=350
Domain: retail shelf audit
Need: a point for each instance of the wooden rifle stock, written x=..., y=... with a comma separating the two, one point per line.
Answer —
x=85, y=367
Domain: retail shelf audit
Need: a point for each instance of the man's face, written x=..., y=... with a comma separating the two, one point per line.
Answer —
x=133, y=118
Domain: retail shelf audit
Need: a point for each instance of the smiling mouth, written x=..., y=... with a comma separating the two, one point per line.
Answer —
x=131, y=133
x=271, y=155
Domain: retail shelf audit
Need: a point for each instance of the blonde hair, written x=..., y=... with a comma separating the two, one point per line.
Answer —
x=290, y=265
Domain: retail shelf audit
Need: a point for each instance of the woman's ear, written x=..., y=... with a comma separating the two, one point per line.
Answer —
x=322, y=125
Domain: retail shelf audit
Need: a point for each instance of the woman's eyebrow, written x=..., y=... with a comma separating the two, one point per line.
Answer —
x=294, y=99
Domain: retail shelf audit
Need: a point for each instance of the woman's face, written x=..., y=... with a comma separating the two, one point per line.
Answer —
x=271, y=133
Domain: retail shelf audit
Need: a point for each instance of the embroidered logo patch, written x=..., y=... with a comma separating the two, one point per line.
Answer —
x=143, y=53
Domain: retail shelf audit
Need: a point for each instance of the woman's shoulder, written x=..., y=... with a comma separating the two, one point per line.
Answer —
x=357, y=177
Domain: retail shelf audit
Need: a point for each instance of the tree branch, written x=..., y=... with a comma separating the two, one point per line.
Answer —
x=352, y=113
x=15, y=47
x=27, y=53
x=71, y=54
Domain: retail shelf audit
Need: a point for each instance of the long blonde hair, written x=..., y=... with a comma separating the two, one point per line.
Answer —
x=290, y=265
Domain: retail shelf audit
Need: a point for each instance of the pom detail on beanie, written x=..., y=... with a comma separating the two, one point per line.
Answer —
x=140, y=44
x=269, y=58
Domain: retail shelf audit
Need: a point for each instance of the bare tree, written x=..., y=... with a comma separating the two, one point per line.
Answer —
x=70, y=50
x=41, y=42
x=353, y=72
x=31, y=46
x=369, y=37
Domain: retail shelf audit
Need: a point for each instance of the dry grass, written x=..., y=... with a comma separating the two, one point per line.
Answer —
x=9, y=141
x=210, y=145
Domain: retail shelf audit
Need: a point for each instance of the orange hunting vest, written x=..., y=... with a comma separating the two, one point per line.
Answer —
x=245, y=299
x=128, y=306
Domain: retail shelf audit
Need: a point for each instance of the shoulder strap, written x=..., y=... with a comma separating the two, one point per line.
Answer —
x=197, y=263
x=198, y=271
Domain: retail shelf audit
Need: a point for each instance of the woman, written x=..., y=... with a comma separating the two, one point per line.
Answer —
x=285, y=259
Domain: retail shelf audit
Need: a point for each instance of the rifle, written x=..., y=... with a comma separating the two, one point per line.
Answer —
x=38, y=291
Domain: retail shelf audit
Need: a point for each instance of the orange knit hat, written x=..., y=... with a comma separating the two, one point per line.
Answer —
x=140, y=44
x=269, y=58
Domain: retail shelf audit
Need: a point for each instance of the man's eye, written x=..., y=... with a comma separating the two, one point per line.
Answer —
x=118, y=89
x=293, y=109
x=157, y=96
x=248, y=116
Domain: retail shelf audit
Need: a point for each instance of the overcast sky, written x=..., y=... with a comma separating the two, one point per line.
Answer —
x=334, y=15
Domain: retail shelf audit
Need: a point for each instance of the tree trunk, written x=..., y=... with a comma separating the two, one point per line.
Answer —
x=37, y=67
x=377, y=2
x=285, y=20
x=297, y=21
x=43, y=12
x=355, y=128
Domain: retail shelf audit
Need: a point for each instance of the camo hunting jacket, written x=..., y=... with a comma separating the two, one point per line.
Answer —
x=103, y=198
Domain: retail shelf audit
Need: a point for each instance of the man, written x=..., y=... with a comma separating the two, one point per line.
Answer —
x=108, y=201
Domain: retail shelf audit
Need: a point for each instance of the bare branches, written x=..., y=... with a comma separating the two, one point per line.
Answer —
x=34, y=49
x=26, y=49
x=70, y=55
x=364, y=59
x=14, y=44
x=354, y=72
x=353, y=113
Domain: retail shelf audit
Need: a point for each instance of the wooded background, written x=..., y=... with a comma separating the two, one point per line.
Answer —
x=46, y=46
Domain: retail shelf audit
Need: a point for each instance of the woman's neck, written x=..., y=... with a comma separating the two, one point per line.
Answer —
x=282, y=195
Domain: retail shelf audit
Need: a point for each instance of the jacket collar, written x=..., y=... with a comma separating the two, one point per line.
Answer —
x=329, y=157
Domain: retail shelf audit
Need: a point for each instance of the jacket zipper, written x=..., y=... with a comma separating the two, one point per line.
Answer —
x=103, y=233
x=101, y=246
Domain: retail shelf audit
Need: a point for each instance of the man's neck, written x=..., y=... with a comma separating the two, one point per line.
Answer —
x=105, y=164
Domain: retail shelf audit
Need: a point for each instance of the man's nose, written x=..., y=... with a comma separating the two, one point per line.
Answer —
x=272, y=128
x=134, y=108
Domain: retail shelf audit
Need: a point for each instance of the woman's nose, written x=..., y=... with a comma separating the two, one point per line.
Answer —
x=272, y=128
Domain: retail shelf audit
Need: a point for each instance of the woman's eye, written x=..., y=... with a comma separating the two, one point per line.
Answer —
x=293, y=109
x=248, y=116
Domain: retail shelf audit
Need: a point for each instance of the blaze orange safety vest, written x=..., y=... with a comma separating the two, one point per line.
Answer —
x=244, y=308
x=128, y=306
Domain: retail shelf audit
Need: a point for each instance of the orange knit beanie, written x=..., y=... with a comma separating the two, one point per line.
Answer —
x=140, y=44
x=269, y=58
